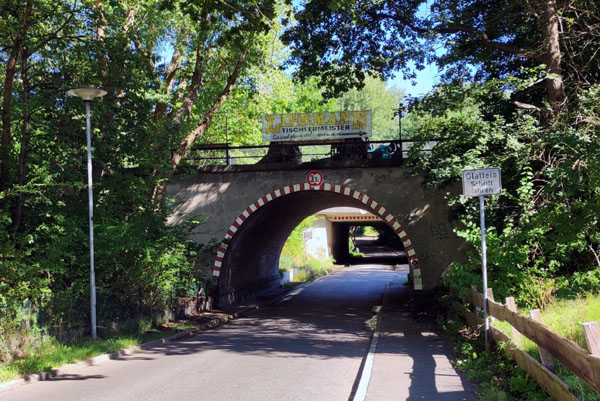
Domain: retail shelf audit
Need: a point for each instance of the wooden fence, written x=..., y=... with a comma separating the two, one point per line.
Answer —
x=582, y=363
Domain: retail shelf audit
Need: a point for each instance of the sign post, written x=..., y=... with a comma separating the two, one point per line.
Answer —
x=482, y=182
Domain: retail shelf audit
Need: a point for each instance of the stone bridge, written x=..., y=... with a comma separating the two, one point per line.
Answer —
x=251, y=210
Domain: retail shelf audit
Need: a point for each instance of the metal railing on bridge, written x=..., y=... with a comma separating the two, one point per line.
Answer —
x=301, y=152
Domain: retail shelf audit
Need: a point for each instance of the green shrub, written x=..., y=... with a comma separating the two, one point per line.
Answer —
x=578, y=284
x=303, y=275
x=293, y=249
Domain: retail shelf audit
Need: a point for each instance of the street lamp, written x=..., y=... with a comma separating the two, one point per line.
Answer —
x=88, y=94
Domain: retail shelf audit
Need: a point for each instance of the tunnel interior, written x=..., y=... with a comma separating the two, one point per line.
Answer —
x=251, y=263
x=385, y=248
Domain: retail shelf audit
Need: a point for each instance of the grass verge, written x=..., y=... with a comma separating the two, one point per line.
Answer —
x=52, y=354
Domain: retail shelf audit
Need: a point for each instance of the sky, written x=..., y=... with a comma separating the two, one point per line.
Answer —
x=426, y=78
x=425, y=81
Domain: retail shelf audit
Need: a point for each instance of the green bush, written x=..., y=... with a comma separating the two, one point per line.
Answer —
x=543, y=237
x=578, y=284
x=303, y=275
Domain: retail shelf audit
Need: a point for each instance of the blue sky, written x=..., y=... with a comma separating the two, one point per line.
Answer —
x=426, y=80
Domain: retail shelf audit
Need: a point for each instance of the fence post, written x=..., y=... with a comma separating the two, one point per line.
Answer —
x=490, y=297
x=512, y=306
x=536, y=315
x=473, y=292
x=592, y=336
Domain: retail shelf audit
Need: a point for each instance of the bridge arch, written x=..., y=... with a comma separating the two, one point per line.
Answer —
x=248, y=236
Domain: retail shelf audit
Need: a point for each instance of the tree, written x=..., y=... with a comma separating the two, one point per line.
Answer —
x=381, y=100
x=213, y=45
x=493, y=38
x=154, y=110
x=543, y=230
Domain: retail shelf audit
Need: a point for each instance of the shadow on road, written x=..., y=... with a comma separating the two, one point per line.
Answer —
x=67, y=376
x=413, y=357
x=327, y=319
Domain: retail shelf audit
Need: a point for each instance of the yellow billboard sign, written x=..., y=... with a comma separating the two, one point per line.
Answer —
x=316, y=126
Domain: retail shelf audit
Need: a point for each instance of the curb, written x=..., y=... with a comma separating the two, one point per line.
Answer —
x=102, y=358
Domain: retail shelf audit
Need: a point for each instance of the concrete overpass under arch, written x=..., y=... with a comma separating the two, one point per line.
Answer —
x=251, y=212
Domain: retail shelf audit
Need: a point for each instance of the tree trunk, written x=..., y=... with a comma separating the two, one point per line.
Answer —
x=9, y=76
x=103, y=67
x=25, y=135
x=553, y=56
x=6, y=120
x=169, y=80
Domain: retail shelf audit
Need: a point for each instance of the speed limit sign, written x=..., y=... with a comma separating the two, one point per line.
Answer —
x=314, y=178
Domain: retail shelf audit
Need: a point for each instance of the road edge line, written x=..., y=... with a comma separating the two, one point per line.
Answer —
x=365, y=376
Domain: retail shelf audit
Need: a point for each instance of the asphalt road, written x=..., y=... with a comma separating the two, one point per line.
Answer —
x=309, y=346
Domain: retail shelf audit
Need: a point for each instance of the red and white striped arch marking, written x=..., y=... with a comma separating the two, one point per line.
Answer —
x=369, y=203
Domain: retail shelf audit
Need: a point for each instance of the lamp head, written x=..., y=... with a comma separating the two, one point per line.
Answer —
x=86, y=93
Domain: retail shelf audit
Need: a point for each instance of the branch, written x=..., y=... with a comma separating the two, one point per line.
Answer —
x=147, y=56
x=595, y=255
x=190, y=138
x=197, y=81
x=187, y=142
x=169, y=79
x=526, y=106
x=102, y=58
x=480, y=36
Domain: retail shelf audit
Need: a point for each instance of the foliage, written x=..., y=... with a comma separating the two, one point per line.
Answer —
x=294, y=249
x=578, y=284
x=370, y=231
x=294, y=255
x=468, y=38
x=303, y=275
x=383, y=101
x=167, y=67
x=545, y=225
x=499, y=378
x=353, y=250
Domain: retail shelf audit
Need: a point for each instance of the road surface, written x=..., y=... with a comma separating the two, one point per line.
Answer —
x=310, y=346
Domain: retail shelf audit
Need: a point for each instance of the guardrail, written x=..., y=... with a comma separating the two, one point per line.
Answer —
x=300, y=152
x=584, y=364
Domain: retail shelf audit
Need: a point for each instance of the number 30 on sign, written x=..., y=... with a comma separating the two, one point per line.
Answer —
x=314, y=178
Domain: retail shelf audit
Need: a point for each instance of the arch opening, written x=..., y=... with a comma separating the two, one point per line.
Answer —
x=247, y=260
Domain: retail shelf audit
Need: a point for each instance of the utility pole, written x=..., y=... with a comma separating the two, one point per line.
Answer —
x=227, y=158
x=400, y=109
x=400, y=120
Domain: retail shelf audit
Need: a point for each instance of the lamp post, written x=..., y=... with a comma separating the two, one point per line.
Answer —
x=400, y=109
x=88, y=94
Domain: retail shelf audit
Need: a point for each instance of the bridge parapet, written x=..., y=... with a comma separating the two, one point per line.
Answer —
x=336, y=152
